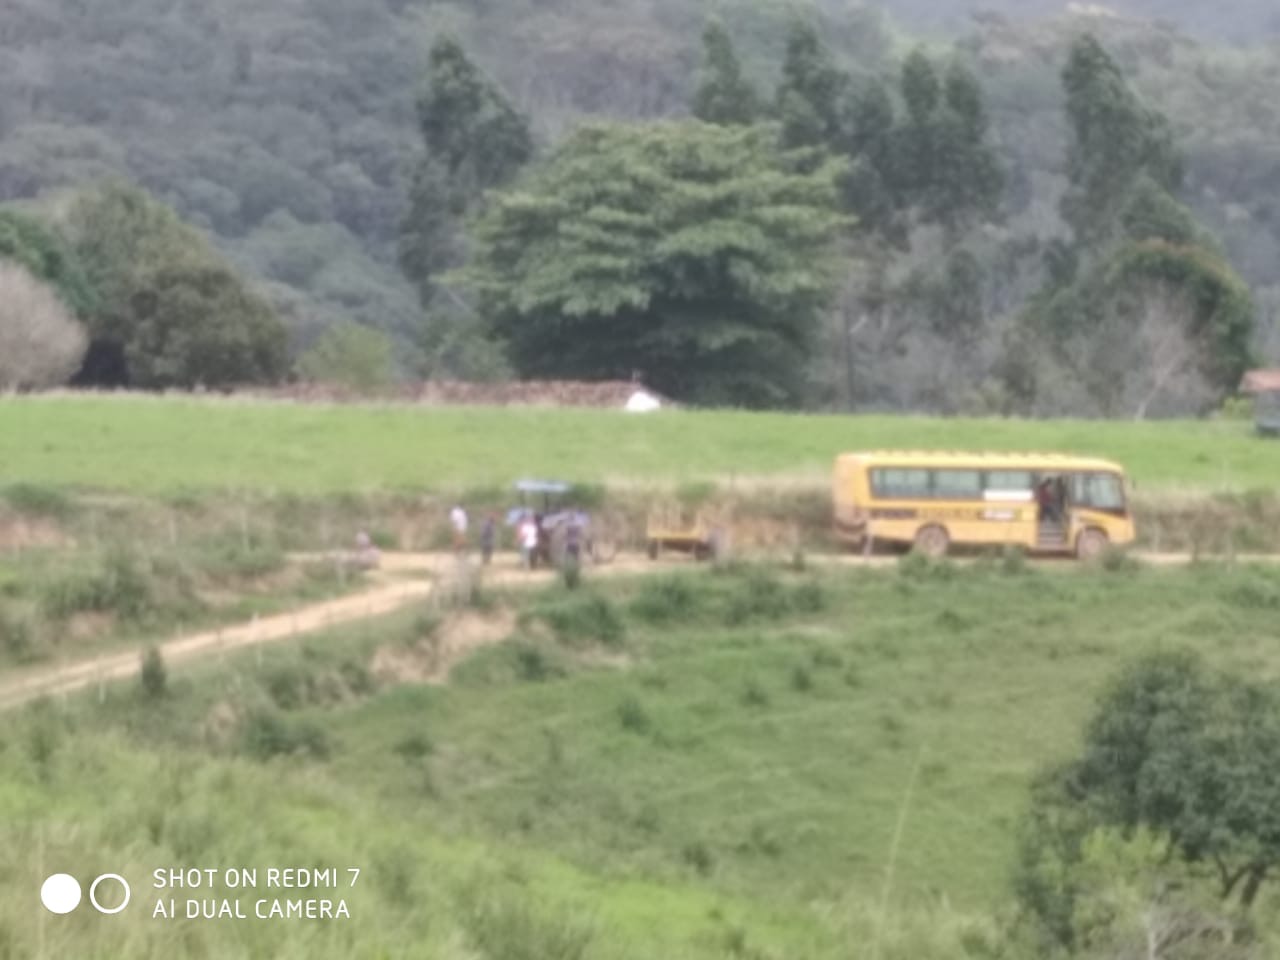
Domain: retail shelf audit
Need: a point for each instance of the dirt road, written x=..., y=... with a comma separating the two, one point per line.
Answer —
x=389, y=591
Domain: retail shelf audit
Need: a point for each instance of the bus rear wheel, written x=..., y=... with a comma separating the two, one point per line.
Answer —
x=1091, y=545
x=932, y=541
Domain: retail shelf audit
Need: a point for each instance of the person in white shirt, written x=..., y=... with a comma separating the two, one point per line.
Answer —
x=528, y=540
x=458, y=521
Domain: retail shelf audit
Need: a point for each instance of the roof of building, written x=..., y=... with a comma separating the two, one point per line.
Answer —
x=1261, y=381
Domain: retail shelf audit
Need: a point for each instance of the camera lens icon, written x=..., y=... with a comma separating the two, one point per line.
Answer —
x=61, y=893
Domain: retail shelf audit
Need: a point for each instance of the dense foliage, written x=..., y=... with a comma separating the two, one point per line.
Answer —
x=693, y=254
x=295, y=135
x=170, y=312
x=1190, y=757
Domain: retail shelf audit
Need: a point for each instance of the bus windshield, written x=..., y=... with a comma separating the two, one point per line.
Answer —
x=1101, y=491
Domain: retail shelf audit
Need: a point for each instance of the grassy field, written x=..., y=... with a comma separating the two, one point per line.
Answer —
x=702, y=765
x=172, y=446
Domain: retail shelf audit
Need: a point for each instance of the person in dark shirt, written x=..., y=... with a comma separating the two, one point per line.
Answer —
x=488, y=536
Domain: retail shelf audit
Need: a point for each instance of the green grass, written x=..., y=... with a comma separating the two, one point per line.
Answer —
x=179, y=446
x=724, y=783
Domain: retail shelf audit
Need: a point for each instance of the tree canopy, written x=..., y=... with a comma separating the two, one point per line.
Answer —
x=1180, y=751
x=170, y=312
x=693, y=254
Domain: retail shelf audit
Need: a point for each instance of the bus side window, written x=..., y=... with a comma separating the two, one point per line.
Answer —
x=892, y=483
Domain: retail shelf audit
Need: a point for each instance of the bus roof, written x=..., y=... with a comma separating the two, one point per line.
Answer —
x=988, y=460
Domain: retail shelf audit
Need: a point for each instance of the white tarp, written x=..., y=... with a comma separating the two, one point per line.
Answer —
x=642, y=402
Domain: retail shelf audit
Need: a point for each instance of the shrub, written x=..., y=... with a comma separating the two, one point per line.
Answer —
x=118, y=586
x=571, y=574
x=634, y=717
x=267, y=734
x=698, y=855
x=1116, y=560
x=801, y=679
x=42, y=501
x=586, y=618
x=915, y=566
x=414, y=746
x=664, y=600
x=234, y=558
x=1013, y=561
x=16, y=638
x=288, y=686
x=755, y=695
x=532, y=664
x=154, y=677
x=759, y=596
x=809, y=597
x=384, y=539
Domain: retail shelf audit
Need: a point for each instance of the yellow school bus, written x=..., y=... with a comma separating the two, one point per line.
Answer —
x=1044, y=503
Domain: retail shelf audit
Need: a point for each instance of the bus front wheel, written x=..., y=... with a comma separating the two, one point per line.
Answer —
x=932, y=541
x=1091, y=544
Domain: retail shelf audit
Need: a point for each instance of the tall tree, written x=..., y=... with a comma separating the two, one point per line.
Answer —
x=474, y=140
x=1115, y=141
x=1140, y=306
x=724, y=95
x=686, y=251
x=170, y=310
x=810, y=92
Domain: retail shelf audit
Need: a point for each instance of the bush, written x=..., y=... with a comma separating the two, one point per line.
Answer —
x=666, y=600
x=917, y=567
x=39, y=501
x=755, y=695
x=759, y=596
x=698, y=855
x=415, y=746
x=1013, y=561
x=587, y=618
x=267, y=734
x=801, y=679
x=16, y=638
x=288, y=686
x=154, y=677
x=634, y=717
x=809, y=597
x=533, y=665
x=571, y=574
x=1116, y=560
x=119, y=586
x=234, y=558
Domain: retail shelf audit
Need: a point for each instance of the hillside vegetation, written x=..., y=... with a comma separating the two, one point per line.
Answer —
x=696, y=766
x=294, y=134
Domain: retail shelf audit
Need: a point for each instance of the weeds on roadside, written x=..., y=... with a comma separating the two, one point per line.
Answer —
x=39, y=501
x=153, y=677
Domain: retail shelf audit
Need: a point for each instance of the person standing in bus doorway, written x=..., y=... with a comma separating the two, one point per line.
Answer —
x=458, y=521
x=1045, y=501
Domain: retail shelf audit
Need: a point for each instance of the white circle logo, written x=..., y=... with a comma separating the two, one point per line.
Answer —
x=94, y=889
x=60, y=893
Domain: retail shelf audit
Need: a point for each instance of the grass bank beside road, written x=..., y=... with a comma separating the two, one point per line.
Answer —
x=174, y=445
